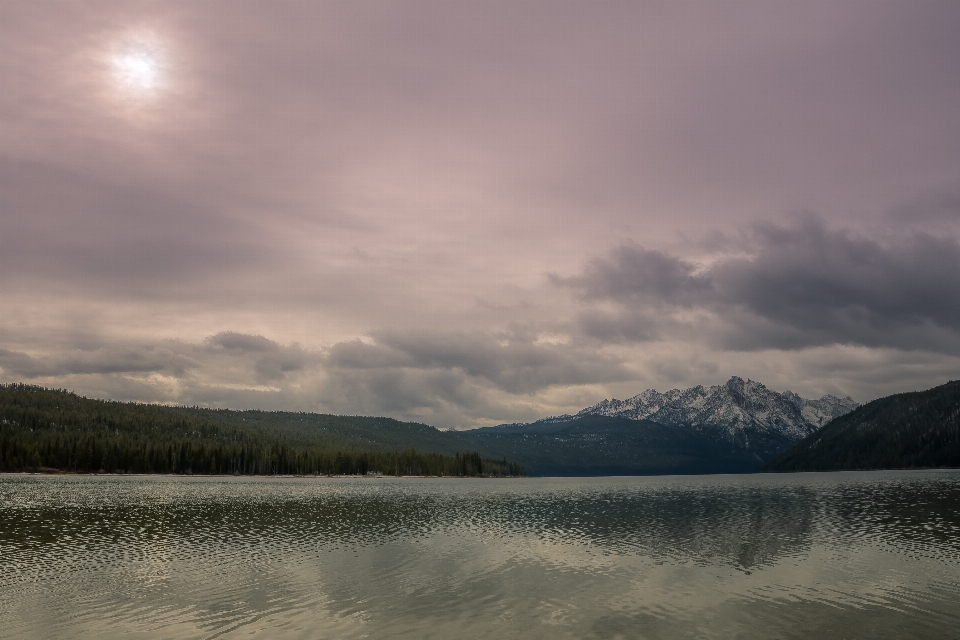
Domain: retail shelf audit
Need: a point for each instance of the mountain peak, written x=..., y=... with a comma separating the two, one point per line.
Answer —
x=735, y=409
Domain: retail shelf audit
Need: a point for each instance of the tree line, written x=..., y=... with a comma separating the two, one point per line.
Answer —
x=54, y=429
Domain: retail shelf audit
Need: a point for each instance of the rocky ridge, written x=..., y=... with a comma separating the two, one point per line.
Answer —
x=735, y=409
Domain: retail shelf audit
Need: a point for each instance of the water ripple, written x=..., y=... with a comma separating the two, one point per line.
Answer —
x=858, y=554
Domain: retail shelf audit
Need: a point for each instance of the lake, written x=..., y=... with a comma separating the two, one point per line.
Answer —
x=838, y=555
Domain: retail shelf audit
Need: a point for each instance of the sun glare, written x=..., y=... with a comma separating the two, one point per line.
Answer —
x=138, y=69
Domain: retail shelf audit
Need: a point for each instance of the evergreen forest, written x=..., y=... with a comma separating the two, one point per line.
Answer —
x=55, y=430
x=903, y=431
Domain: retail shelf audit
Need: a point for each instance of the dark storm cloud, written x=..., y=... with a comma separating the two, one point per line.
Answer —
x=810, y=277
x=805, y=284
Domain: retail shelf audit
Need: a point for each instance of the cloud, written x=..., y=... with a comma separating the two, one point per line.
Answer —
x=467, y=378
x=461, y=379
x=271, y=361
x=101, y=361
x=804, y=284
x=844, y=288
x=449, y=379
x=511, y=361
x=937, y=206
x=242, y=342
x=371, y=197
x=276, y=366
x=635, y=273
x=64, y=229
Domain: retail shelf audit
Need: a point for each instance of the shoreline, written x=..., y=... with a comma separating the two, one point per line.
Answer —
x=57, y=472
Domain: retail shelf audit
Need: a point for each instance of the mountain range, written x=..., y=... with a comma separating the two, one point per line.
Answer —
x=735, y=409
x=735, y=427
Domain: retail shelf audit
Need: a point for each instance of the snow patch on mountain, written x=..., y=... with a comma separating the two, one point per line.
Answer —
x=737, y=409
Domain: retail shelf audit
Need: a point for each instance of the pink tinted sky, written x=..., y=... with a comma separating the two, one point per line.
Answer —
x=470, y=213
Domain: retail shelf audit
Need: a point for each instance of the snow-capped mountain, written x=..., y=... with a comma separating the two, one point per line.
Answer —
x=735, y=427
x=737, y=409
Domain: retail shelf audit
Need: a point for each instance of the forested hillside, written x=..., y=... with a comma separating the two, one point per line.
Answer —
x=907, y=430
x=590, y=445
x=42, y=428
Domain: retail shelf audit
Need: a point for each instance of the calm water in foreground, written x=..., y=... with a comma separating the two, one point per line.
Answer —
x=846, y=555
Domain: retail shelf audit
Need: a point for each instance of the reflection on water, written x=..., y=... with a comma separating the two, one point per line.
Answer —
x=788, y=556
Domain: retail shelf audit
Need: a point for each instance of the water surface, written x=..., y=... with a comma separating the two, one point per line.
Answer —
x=842, y=555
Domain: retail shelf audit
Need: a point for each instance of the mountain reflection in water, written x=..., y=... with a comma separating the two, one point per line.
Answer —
x=846, y=555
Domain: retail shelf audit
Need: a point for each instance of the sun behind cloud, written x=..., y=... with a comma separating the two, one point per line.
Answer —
x=139, y=67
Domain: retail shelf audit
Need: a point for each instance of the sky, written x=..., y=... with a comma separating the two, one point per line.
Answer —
x=470, y=213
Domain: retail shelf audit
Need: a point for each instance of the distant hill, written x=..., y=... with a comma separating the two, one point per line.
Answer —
x=907, y=430
x=59, y=430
